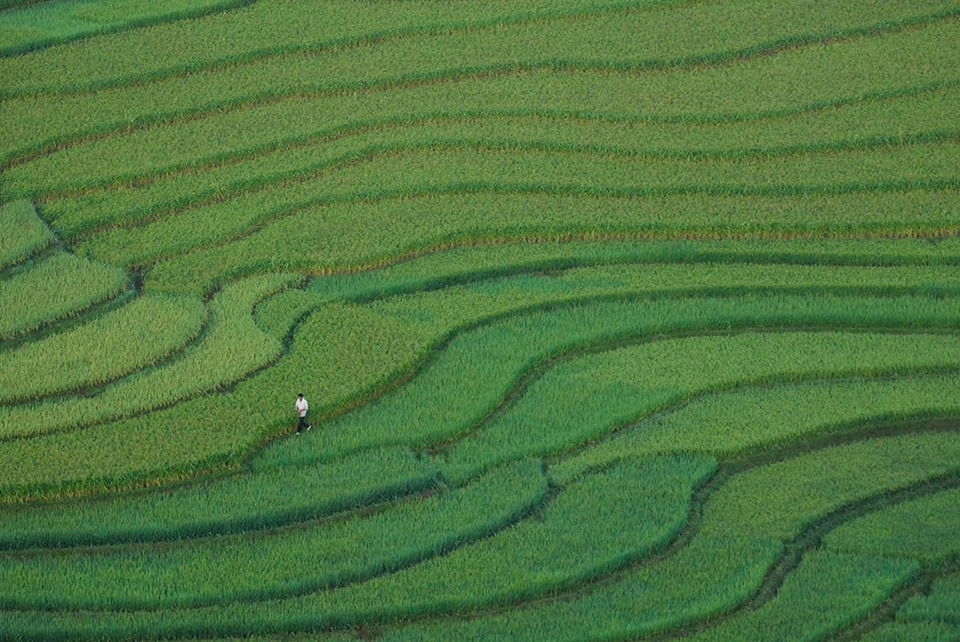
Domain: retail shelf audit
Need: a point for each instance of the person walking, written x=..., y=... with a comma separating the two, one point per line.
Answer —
x=302, y=408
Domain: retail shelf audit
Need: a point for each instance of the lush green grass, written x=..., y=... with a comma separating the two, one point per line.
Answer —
x=630, y=509
x=828, y=70
x=228, y=198
x=478, y=369
x=826, y=592
x=727, y=423
x=282, y=27
x=402, y=341
x=171, y=185
x=914, y=631
x=584, y=400
x=705, y=578
x=178, y=430
x=492, y=173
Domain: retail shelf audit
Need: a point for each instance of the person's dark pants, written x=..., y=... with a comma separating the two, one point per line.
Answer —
x=302, y=425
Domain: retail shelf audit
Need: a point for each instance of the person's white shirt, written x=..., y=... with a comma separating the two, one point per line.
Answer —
x=302, y=406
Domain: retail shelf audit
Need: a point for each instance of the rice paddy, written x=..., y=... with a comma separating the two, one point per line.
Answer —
x=618, y=319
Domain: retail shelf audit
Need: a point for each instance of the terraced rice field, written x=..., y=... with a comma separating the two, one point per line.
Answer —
x=618, y=319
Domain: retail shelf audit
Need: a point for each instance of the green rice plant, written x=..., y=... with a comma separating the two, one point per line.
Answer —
x=232, y=347
x=481, y=364
x=271, y=564
x=211, y=431
x=703, y=579
x=124, y=203
x=55, y=287
x=671, y=29
x=360, y=234
x=924, y=528
x=8, y=4
x=83, y=115
x=531, y=543
x=179, y=441
x=781, y=498
x=236, y=214
x=26, y=233
x=34, y=25
x=916, y=631
x=243, y=501
x=398, y=148
x=140, y=334
x=279, y=314
x=659, y=264
x=344, y=354
x=450, y=171
x=940, y=605
x=817, y=483
x=163, y=446
x=596, y=524
x=566, y=253
x=732, y=422
x=583, y=400
x=375, y=344
x=270, y=29
x=825, y=593
x=148, y=181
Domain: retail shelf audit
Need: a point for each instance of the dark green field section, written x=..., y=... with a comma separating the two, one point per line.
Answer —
x=618, y=320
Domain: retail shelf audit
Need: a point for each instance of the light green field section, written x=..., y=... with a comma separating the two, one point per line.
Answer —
x=538, y=552
x=826, y=592
x=435, y=401
x=35, y=25
x=24, y=233
x=231, y=348
x=139, y=335
x=738, y=173
x=487, y=50
x=731, y=422
x=56, y=286
x=282, y=26
x=780, y=499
